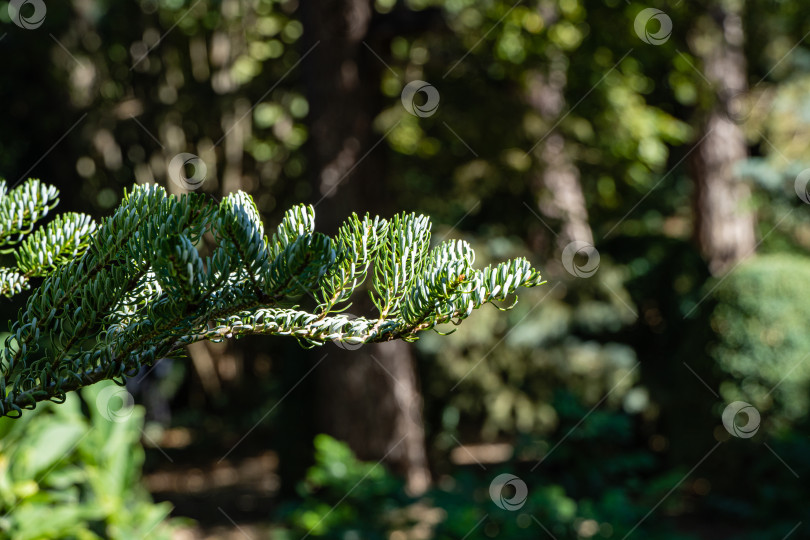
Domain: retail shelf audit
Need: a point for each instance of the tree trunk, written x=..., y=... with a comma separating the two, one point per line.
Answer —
x=342, y=87
x=724, y=226
x=558, y=183
x=369, y=397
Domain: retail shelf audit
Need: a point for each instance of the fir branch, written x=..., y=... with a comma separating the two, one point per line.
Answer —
x=135, y=289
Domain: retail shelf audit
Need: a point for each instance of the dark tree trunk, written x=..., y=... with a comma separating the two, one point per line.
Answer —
x=342, y=85
x=724, y=228
x=369, y=397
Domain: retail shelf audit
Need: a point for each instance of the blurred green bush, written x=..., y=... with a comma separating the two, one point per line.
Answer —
x=574, y=496
x=761, y=343
x=69, y=472
x=343, y=497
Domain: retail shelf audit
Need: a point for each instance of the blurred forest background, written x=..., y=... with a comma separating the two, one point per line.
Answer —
x=670, y=136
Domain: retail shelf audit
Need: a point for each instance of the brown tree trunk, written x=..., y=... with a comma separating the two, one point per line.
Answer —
x=560, y=195
x=724, y=226
x=343, y=90
x=368, y=397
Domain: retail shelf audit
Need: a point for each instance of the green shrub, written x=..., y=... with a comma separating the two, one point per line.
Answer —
x=70, y=473
x=762, y=345
x=346, y=499
x=343, y=497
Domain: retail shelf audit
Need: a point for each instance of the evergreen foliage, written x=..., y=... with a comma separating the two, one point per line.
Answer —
x=139, y=286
